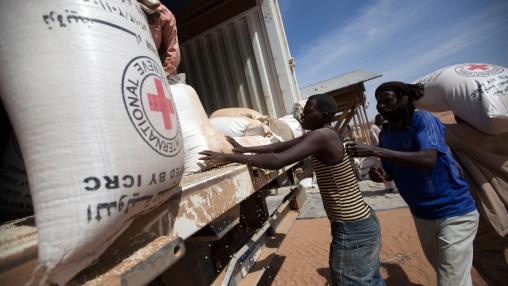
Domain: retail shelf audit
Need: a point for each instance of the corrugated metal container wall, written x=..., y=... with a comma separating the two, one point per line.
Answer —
x=231, y=66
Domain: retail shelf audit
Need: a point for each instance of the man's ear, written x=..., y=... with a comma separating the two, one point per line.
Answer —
x=327, y=116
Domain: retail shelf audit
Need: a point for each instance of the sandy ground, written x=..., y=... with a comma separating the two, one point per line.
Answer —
x=303, y=257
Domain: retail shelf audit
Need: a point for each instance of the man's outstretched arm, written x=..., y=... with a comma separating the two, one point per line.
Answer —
x=423, y=159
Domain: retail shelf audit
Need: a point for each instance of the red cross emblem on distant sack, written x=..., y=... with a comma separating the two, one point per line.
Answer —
x=158, y=102
x=472, y=67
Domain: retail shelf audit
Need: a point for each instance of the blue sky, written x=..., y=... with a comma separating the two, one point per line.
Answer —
x=402, y=40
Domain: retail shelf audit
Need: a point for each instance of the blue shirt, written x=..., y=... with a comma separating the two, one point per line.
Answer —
x=435, y=194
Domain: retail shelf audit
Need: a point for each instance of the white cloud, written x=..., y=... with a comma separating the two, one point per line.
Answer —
x=432, y=53
x=450, y=41
x=362, y=43
x=372, y=26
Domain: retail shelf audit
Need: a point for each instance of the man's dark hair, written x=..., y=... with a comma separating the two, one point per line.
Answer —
x=325, y=103
x=413, y=92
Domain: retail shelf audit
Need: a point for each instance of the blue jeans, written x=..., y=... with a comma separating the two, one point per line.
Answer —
x=354, y=252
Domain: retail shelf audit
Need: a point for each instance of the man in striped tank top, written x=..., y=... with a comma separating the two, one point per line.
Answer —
x=356, y=236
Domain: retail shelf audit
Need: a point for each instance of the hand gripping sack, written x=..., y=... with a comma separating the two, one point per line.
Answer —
x=95, y=119
x=477, y=93
x=198, y=132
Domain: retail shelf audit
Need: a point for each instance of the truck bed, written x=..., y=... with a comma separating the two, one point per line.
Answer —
x=152, y=243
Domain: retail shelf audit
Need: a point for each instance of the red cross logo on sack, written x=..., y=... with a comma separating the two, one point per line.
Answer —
x=482, y=67
x=159, y=103
x=478, y=70
x=149, y=104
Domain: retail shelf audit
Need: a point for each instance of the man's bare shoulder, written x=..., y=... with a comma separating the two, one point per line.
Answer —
x=324, y=134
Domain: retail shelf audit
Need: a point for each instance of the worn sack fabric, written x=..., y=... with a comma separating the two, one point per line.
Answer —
x=484, y=158
x=255, y=140
x=198, y=133
x=477, y=93
x=239, y=126
x=238, y=111
x=280, y=128
x=293, y=124
x=87, y=97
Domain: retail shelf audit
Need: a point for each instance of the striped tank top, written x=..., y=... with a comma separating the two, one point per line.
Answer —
x=339, y=190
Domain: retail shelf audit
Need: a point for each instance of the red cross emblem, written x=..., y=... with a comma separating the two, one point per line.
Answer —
x=472, y=67
x=158, y=102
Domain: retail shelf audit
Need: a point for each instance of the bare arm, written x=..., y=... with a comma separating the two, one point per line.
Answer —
x=423, y=159
x=299, y=150
x=272, y=148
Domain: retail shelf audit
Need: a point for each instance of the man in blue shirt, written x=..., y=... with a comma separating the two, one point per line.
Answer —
x=414, y=154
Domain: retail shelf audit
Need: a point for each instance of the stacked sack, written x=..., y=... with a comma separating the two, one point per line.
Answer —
x=251, y=128
x=247, y=126
x=476, y=93
x=198, y=132
x=88, y=100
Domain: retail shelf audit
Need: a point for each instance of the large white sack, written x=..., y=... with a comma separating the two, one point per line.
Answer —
x=238, y=111
x=477, y=93
x=86, y=94
x=198, y=133
x=239, y=126
x=280, y=128
x=255, y=140
x=293, y=124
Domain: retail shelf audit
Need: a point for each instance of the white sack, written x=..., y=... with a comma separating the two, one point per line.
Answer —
x=238, y=126
x=238, y=112
x=293, y=124
x=477, y=93
x=198, y=133
x=280, y=128
x=87, y=96
x=256, y=140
